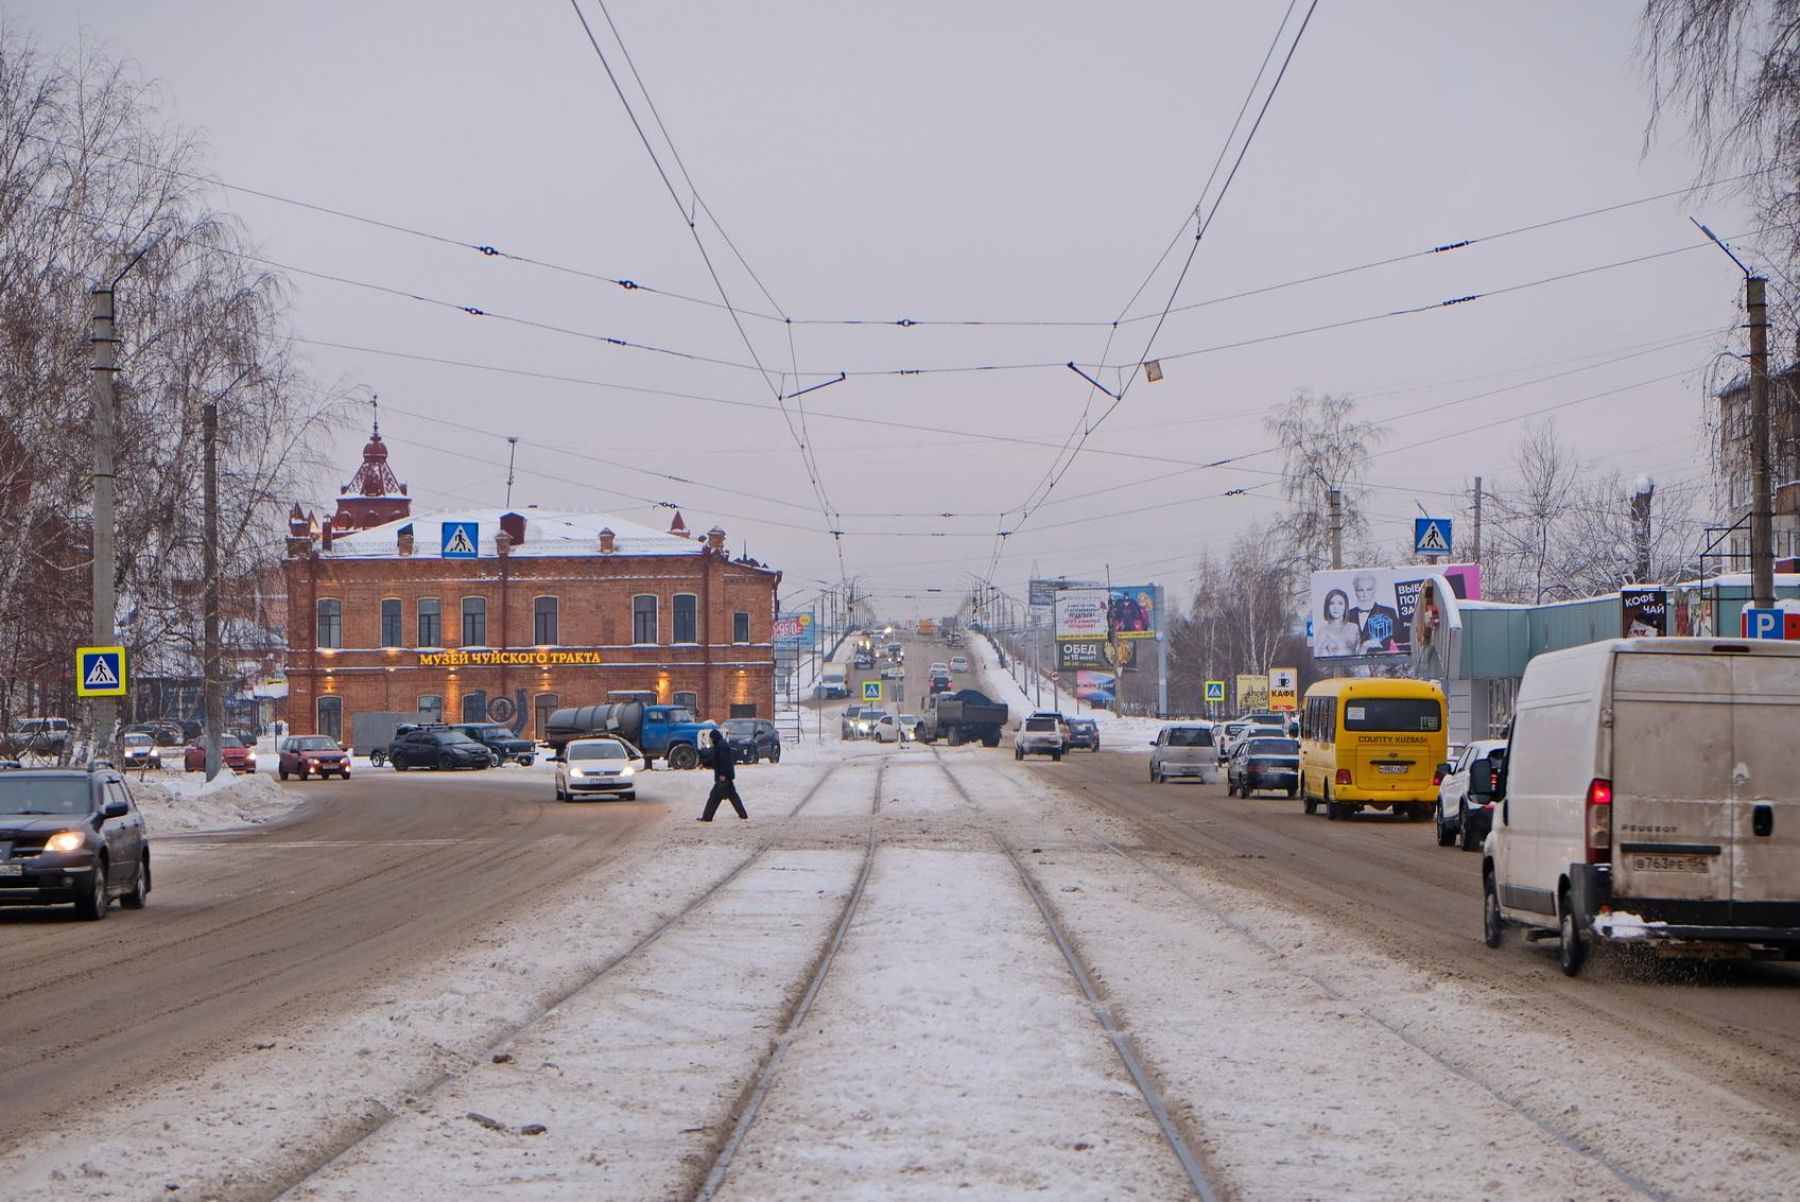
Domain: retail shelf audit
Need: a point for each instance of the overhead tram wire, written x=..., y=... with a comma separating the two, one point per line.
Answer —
x=1193, y=250
x=806, y=456
x=490, y=251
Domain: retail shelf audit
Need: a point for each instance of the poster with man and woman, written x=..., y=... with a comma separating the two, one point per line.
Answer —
x=1369, y=611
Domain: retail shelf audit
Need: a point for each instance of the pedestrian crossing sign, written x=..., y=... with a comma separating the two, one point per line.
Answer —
x=99, y=671
x=1431, y=536
x=1215, y=690
x=462, y=540
x=871, y=690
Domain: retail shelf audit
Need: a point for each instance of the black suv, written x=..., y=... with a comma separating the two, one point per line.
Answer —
x=436, y=747
x=506, y=746
x=71, y=835
x=753, y=739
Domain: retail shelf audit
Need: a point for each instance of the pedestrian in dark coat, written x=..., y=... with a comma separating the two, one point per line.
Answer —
x=724, y=780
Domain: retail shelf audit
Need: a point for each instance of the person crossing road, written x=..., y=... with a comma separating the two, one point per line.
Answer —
x=724, y=780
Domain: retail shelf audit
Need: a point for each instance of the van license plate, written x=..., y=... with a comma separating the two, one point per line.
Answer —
x=1392, y=769
x=12, y=870
x=1678, y=862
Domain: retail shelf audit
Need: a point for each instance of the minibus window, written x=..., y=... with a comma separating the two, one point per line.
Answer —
x=1394, y=714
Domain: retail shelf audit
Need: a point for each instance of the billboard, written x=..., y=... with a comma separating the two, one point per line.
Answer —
x=1105, y=654
x=797, y=630
x=1252, y=693
x=1096, y=688
x=1369, y=611
x=1644, y=612
x=1081, y=613
x=1284, y=689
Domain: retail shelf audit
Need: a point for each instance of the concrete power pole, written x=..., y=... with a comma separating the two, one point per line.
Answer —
x=1476, y=557
x=104, y=364
x=1762, y=506
x=209, y=425
x=1334, y=501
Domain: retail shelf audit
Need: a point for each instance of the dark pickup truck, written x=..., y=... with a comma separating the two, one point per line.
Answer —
x=507, y=747
x=964, y=716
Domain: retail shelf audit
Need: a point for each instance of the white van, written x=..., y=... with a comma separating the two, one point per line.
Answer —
x=1650, y=796
x=832, y=685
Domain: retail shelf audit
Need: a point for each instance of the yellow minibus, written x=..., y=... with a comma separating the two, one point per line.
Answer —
x=1372, y=743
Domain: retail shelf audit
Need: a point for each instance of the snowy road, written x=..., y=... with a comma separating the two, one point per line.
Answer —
x=856, y=995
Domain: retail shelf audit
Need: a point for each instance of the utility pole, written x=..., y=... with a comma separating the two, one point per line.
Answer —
x=104, y=348
x=1762, y=533
x=1334, y=501
x=1476, y=557
x=209, y=425
x=512, y=449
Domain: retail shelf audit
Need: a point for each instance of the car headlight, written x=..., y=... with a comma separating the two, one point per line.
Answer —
x=627, y=770
x=64, y=841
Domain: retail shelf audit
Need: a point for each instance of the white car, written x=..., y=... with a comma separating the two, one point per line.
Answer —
x=909, y=727
x=894, y=671
x=938, y=668
x=141, y=752
x=959, y=663
x=1184, y=751
x=1039, y=736
x=887, y=729
x=604, y=766
x=1460, y=818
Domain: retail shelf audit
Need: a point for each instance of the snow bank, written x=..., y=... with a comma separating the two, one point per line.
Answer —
x=186, y=801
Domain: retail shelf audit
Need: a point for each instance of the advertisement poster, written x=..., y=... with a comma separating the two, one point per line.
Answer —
x=1081, y=613
x=1075, y=654
x=1131, y=611
x=1369, y=611
x=1643, y=613
x=1095, y=688
x=796, y=630
x=1284, y=689
x=1252, y=693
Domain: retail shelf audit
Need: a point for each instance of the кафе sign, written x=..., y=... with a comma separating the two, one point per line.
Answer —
x=524, y=657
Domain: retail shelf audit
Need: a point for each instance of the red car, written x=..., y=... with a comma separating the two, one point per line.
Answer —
x=233, y=754
x=304, y=755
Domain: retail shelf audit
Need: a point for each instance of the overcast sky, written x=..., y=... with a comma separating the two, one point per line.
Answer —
x=1021, y=162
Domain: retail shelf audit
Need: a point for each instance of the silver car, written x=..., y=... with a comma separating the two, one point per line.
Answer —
x=1186, y=752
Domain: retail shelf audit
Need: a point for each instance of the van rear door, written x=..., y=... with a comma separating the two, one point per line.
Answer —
x=1765, y=785
x=1672, y=737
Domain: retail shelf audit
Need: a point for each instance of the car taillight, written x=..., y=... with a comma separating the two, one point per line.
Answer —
x=1343, y=776
x=1599, y=822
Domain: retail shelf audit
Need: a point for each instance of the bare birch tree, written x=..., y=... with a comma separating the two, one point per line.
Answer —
x=1323, y=445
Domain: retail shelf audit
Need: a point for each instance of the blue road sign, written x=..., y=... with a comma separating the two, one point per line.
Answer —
x=1764, y=623
x=1431, y=536
x=462, y=540
x=871, y=690
x=100, y=671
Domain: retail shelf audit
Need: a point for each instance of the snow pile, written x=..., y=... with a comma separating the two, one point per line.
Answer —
x=189, y=802
x=1622, y=925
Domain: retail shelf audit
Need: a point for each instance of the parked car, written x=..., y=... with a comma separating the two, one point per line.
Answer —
x=508, y=748
x=71, y=835
x=1460, y=819
x=437, y=747
x=162, y=734
x=140, y=751
x=959, y=663
x=304, y=755
x=1084, y=732
x=1648, y=797
x=1264, y=763
x=847, y=724
x=909, y=728
x=605, y=766
x=1038, y=736
x=1184, y=750
x=234, y=754
x=751, y=739
x=37, y=736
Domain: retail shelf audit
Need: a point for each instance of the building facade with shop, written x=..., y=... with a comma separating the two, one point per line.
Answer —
x=506, y=615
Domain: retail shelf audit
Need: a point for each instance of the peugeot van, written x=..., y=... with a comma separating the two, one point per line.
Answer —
x=1649, y=796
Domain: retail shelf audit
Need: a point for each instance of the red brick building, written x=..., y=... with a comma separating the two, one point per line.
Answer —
x=505, y=615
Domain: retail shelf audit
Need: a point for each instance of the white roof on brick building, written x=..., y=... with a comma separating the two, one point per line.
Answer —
x=547, y=533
